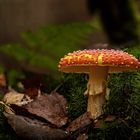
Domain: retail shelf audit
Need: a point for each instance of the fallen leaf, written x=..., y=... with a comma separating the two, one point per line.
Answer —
x=32, y=92
x=19, y=110
x=80, y=123
x=99, y=123
x=110, y=118
x=82, y=137
x=52, y=107
x=14, y=97
x=29, y=129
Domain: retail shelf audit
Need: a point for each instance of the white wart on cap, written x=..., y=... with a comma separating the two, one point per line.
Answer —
x=80, y=61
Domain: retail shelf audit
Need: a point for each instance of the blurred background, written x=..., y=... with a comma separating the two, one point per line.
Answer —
x=35, y=34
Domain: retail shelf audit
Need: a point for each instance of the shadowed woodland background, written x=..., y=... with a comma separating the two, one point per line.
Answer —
x=18, y=16
x=33, y=28
x=35, y=34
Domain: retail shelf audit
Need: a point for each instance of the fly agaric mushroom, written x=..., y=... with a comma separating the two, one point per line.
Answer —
x=97, y=63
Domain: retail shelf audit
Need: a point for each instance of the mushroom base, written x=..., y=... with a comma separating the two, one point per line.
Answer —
x=96, y=89
x=95, y=105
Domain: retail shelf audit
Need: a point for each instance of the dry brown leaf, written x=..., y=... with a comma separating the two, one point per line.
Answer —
x=29, y=129
x=51, y=107
x=32, y=92
x=80, y=123
x=14, y=97
x=99, y=123
x=110, y=118
x=82, y=137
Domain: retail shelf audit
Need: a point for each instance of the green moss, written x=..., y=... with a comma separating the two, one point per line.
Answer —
x=124, y=98
x=121, y=89
x=116, y=130
x=73, y=89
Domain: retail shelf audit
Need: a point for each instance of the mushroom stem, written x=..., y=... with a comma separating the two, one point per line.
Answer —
x=96, y=88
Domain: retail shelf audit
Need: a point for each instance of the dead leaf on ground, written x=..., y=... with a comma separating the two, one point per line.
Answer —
x=99, y=123
x=29, y=129
x=14, y=97
x=80, y=123
x=82, y=137
x=52, y=107
x=32, y=92
x=110, y=118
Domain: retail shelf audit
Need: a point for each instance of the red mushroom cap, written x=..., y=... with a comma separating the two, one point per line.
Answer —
x=80, y=61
